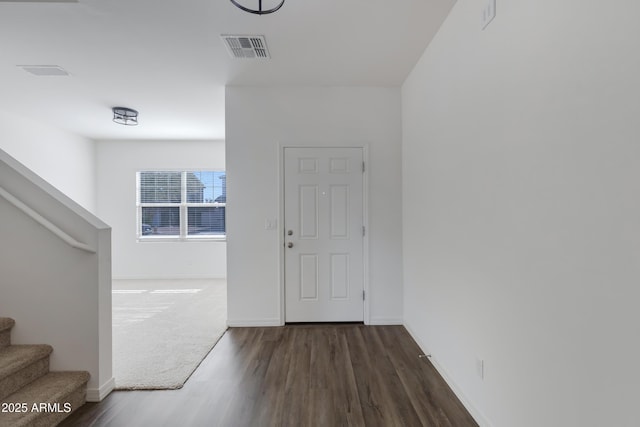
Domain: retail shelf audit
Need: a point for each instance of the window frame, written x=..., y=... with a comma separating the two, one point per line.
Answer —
x=183, y=206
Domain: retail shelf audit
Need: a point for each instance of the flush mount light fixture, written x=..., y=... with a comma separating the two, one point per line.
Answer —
x=125, y=116
x=272, y=6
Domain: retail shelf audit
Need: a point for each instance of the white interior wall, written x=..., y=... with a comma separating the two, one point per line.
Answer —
x=65, y=160
x=118, y=162
x=258, y=122
x=57, y=294
x=521, y=210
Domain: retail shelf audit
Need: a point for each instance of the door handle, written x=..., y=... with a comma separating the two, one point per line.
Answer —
x=290, y=245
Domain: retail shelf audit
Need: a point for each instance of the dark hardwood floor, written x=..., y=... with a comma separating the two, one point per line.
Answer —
x=297, y=375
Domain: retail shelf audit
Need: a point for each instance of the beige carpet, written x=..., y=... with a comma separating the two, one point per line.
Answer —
x=162, y=329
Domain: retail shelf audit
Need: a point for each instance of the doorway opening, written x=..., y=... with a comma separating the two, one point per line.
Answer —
x=163, y=327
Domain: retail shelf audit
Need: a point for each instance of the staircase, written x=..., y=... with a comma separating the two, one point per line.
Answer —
x=30, y=395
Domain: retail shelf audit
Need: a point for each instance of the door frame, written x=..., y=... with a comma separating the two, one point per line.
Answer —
x=365, y=220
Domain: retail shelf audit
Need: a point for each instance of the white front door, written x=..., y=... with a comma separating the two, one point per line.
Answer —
x=323, y=226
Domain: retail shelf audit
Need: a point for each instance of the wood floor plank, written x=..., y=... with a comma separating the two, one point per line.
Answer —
x=374, y=394
x=428, y=391
x=407, y=362
x=270, y=407
x=403, y=411
x=351, y=398
x=297, y=375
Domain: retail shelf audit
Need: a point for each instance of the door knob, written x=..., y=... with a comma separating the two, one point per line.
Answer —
x=290, y=244
x=290, y=233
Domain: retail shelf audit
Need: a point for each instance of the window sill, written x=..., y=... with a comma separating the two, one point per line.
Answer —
x=157, y=239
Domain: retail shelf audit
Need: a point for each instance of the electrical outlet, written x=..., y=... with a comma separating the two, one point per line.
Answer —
x=480, y=368
x=488, y=13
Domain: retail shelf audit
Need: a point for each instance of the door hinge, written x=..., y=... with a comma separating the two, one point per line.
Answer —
x=362, y=295
x=362, y=167
x=363, y=231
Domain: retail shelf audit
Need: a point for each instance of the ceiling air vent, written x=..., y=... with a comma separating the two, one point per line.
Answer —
x=249, y=47
x=45, y=70
x=38, y=1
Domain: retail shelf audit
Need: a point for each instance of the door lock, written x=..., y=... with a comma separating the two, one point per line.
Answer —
x=290, y=233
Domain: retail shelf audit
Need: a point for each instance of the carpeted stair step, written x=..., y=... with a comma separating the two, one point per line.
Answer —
x=5, y=331
x=20, y=365
x=46, y=401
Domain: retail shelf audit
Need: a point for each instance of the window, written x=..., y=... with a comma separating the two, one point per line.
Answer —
x=181, y=205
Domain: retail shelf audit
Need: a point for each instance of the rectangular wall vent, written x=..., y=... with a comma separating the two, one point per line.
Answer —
x=38, y=1
x=247, y=47
x=45, y=70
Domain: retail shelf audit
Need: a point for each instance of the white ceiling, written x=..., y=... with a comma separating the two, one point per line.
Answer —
x=166, y=59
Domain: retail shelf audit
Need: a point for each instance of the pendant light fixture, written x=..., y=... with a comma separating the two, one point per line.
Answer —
x=125, y=116
x=260, y=10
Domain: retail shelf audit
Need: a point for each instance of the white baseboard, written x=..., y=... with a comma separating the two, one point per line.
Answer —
x=250, y=323
x=477, y=415
x=385, y=321
x=97, y=394
x=381, y=321
x=185, y=277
